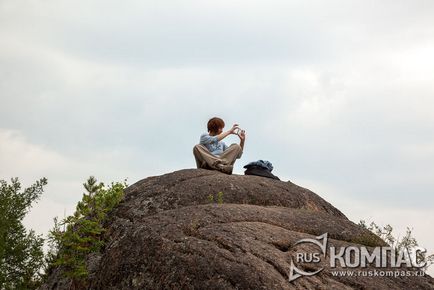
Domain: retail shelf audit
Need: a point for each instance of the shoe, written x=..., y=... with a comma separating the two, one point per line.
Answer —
x=225, y=168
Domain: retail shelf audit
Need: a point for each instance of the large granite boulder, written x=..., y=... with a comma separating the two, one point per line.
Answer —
x=201, y=229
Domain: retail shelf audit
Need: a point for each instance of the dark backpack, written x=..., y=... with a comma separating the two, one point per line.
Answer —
x=259, y=171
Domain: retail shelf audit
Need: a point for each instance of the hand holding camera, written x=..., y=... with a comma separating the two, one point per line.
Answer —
x=234, y=129
x=238, y=131
x=241, y=133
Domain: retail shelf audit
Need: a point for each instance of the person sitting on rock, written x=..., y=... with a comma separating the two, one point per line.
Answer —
x=212, y=153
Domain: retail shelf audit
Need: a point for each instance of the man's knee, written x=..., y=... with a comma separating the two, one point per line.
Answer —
x=197, y=148
x=236, y=146
x=238, y=149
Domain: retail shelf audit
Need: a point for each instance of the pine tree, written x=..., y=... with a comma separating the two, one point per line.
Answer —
x=83, y=231
x=21, y=254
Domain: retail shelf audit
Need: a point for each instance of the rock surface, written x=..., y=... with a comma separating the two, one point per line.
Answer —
x=168, y=234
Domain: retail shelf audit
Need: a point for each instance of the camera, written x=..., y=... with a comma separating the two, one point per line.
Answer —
x=238, y=131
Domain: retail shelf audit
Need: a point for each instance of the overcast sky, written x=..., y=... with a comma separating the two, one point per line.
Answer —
x=338, y=95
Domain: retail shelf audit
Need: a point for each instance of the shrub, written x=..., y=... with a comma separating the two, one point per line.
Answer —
x=407, y=241
x=80, y=234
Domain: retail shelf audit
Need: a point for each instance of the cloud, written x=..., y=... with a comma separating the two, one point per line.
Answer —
x=29, y=162
x=18, y=155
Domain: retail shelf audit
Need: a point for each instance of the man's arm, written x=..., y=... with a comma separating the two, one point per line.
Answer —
x=242, y=138
x=227, y=133
x=224, y=135
x=207, y=139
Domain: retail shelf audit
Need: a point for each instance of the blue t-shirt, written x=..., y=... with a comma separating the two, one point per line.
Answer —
x=212, y=143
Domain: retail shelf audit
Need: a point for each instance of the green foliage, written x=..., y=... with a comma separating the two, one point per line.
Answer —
x=384, y=233
x=220, y=197
x=72, y=239
x=211, y=198
x=406, y=242
x=21, y=254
